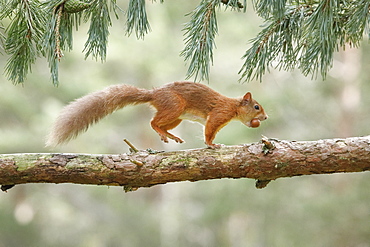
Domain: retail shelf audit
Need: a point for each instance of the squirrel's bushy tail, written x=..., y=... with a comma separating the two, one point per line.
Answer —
x=81, y=113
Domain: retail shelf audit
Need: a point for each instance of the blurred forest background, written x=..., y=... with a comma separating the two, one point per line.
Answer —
x=323, y=210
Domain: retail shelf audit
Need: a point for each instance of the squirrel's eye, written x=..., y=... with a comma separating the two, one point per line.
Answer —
x=257, y=107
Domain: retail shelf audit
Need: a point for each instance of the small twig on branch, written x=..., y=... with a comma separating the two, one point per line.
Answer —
x=133, y=148
x=145, y=168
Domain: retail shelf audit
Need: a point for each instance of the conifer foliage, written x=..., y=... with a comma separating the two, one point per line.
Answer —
x=305, y=35
x=296, y=34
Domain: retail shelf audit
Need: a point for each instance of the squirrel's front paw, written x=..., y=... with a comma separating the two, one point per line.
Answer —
x=214, y=146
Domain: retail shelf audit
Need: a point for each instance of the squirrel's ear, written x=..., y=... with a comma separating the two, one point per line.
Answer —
x=247, y=97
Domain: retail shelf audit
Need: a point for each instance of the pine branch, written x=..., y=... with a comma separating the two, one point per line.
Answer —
x=281, y=40
x=137, y=19
x=358, y=21
x=27, y=38
x=305, y=36
x=297, y=34
x=24, y=36
x=68, y=14
x=264, y=161
x=52, y=43
x=200, y=33
x=58, y=36
x=96, y=44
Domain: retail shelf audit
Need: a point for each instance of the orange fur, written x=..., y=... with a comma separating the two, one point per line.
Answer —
x=174, y=102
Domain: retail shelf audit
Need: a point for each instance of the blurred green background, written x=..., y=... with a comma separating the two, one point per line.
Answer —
x=323, y=210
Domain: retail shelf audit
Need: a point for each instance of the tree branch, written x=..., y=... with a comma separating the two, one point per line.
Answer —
x=264, y=161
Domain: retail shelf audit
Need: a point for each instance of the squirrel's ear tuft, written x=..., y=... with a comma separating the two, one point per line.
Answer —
x=247, y=97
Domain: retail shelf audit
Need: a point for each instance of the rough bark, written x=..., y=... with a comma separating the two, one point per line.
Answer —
x=265, y=161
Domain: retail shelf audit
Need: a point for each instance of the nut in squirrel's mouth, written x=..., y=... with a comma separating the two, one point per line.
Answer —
x=254, y=123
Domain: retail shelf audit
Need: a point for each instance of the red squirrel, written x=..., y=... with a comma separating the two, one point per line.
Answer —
x=174, y=102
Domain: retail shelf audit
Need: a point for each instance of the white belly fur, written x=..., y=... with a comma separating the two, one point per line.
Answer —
x=193, y=117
